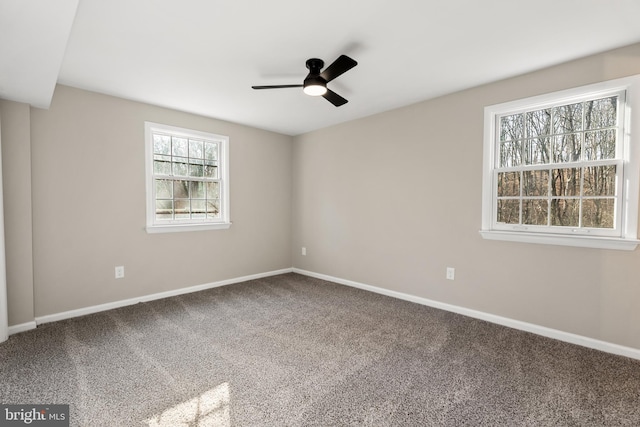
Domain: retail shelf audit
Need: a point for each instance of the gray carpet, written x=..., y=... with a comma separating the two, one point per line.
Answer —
x=291, y=350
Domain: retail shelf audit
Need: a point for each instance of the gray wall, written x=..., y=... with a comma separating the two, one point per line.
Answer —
x=16, y=171
x=393, y=199
x=88, y=192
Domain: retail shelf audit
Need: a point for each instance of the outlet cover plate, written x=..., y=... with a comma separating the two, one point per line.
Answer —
x=451, y=273
x=120, y=272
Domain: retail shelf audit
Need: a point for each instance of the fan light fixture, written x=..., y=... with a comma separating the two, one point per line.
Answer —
x=315, y=86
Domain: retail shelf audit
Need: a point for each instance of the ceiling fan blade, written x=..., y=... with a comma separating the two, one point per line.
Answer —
x=338, y=67
x=274, y=87
x=334, y=98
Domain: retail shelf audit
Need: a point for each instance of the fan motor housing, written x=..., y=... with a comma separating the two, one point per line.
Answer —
x=315, y=65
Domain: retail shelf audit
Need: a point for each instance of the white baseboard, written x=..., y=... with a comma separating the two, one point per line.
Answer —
x=123, y=303
x=22, y=327
x=504, y=321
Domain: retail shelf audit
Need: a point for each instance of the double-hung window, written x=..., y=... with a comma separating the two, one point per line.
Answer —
x=563, y=168
x=187, y=179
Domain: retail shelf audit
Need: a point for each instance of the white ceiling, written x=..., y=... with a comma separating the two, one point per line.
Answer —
x=203, y=56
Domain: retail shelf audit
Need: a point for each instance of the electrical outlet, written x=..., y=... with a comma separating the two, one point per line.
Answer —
x=120, y=272
x=451, y=273
x=303, y=251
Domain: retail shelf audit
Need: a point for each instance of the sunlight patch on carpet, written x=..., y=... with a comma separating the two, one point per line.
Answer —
x=210, y=409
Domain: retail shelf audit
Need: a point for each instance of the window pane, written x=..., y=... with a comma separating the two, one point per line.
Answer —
x=601, y=113
x=567, y=118
x=211, y=150
x=600, y=181
x=196, y=170
x=508, y=211
x=162, y=165
x=536, y=151
x=197, y=189
x=164, y=189
x=182, y=209
x=565, y=212
x=598, y=213
x=213, y=208
x=195, y=149
x=211, y=171
x=534, y=212
x=565, y=182
x=510, y=153
x=535, y=183
x=180, y=147
x=600, y=145
x=180, y=189
x=164, y=209
x=198, y=209
x=161, y=144
x=508, y=184
x=567, y=148
x=511, y=127
x=181, y=167
x=213, y=190
x=538, y=123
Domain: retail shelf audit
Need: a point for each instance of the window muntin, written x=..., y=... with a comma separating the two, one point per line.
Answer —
x=187, y=179
x=558, y=167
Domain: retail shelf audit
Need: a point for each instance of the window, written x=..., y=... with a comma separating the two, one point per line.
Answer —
x=562, y=168
x=187, y=179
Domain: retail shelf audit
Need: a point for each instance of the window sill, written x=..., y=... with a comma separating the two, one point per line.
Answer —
x=176, y=228
x=553, y=239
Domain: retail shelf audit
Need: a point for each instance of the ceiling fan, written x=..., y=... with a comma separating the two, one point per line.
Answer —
x=315, y=84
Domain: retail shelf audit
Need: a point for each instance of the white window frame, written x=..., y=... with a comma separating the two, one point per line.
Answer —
x=177, y=225
x=628, y=188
